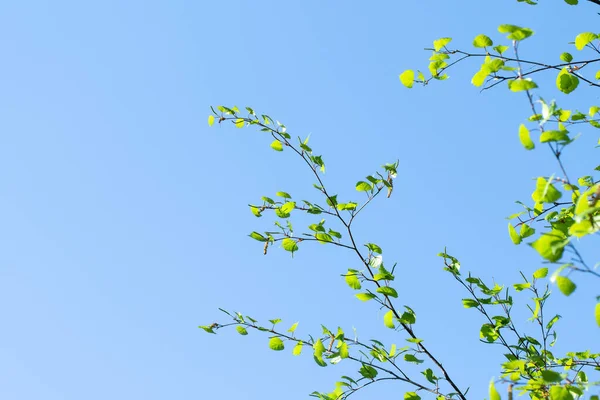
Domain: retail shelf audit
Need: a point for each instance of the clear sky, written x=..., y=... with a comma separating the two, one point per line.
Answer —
x=124, y=217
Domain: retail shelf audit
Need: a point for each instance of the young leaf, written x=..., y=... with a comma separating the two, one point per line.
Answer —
x=362, y=186
x=289, y=245
x=241, y=330
x=365, y=296
x=276, y=344
x=519, y=85
x=515, y=32
x=566, y=57
x=494, y=395
x=277, y=145
x=525, y=138
x=411, y=396
x=408, y=78
x=297, y=349
x=514, y=236
x=565, y=285
x=258, y=236
x=597, y=314
x=352, y=279
x=438, y=44
x=541, y=273
x=482, y=41
x=388, y=319
x=293, y=327
x=211, y=120
x=566, y=82
x=388, y=291
x=583, y=39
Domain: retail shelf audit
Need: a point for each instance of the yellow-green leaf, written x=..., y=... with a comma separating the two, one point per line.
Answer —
x=494, y=395
x=388, y=319
x=566, y=82
x=482, y=41
x=297, y=349
x=525, y=138
x=565, y=285
x=514, y=236
x=277, y=145
x=239, y=123
x=583, y=39
x=438, y=44
x=211, y=120
x=597, y=314
x=519, y=85
x=408, y=78
x=276, y=344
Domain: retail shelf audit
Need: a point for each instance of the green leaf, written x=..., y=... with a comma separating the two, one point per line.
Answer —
x=438, y=44
x=276, y=344
x=545, y=192
x=565, y=285
x=566, y=57
x=583, y=39
x=482, y=41
x=411, y=396
x=540, y=273
x=211, y=120
x=373, y=247
x=293, y=327
x=388, y=319
x=365, y=296
x=241, y=330
x=597, y=314
x=489, y=333
x=566, y=82
x=572, y=2
x=287, y=207
x=519, y=287
x=352, y=279
x=493, y=393
x=519, y=85
x=411, y=358
x=206, y=328
x=514, y=236
x=525, y=138
x=408, y=78
x=344, y=350
x=554, y=136
x=560, y=393
x=500, y=48
x=388, y=291
x=277, y=145
x=297, y=349
x=526, y=231
x=258, y=236
x=362, y=186
x=551, y=376
x=515, y=32
x=550, y=245
x=368, y=372
x=289, y=245
x=470, y=303
x=239, y=123
x=283, y=194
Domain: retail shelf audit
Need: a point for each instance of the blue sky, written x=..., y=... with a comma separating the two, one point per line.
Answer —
x=124, y=217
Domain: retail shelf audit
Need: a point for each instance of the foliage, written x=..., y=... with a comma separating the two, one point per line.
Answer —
x=562, y=212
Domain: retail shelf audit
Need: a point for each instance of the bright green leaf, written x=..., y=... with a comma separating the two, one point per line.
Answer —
x=525, y=138
x=241, y=330
x=408, y=78
x=482, y=41
x=514, y=236
x=515, y=32
x=239, y=123
x=550, y=245
x=566, y=57
x=352, y=279
x=289, y=245
x=211, y=120
x=258, y=236
x=541, y=273
x=365, y=296
x=293, y=327
x=565, y=285
x=493, y=393
x=362, y=186
x=438, y=44
x=388, y=291
x=277, y=145
x=388, y=319
x=297, y=349
x=519, y=85
x=276, y=344
x=583, y=39
x=560, y=393
x=566, y=82
x=545, y=192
